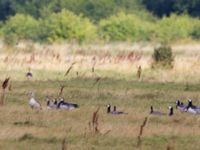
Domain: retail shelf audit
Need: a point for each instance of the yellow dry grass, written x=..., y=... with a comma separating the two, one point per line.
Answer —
x=116, y=64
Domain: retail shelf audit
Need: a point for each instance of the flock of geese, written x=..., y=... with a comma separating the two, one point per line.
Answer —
x=60, y=103
x=51, y=104
x=189, y=108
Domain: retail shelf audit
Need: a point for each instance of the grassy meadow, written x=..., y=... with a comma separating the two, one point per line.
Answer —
x=115, y=65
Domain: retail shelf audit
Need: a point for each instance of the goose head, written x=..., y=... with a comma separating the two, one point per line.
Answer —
x=61, y=99
x=108, y=108
x=178, y=103
x=189, y=103
x=48, y=102
x=151, y=109
x=171, y=111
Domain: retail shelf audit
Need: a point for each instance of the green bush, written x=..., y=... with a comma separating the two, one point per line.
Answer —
x=123, y=27
x=65, y=25
x=174, y=28
x=1, y=29
x=163, y=57
x=20, y=27
x=195, y=34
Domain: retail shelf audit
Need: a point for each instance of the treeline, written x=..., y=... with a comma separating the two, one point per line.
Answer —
x=166, y=7
x=92, y=9
x=66, y=26
x=95, y=20
x=98, y=9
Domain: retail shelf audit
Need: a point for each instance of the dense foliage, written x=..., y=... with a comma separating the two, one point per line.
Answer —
x=20, y=27
x=66, y=26
x=98, y=9
x=113, y=20
x=174, y=27
x=93, y=9
x=124, y=27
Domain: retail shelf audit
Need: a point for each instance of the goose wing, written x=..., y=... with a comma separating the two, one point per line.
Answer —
x=34, y=103
x=69, y=106
x=182, y=108
x=118, y=113
x=191, y=110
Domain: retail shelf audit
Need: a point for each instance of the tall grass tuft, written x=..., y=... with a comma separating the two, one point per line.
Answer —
x=139, y=142
x=26, y=136
x=5, y=83
x=97, y=80
x=4, y=86
x=70, y=68
x=187, y=87
x=139, y=72
x=95, y=121
x=163, y=57
x=10, y=87
x=64, y=145
x=32, y=59
x=61, y=90
x=169, y=147
x=94, y=63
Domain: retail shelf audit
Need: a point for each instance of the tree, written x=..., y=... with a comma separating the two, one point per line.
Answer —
x=192, y=7
x=66, y=26
x=7, y=9
x=124, y=27
x=159, y=7
x=174, y=28
x=166, y=7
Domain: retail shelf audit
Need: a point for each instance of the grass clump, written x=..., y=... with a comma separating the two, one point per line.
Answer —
x=23, y=123
x=163, y=57
x=26, y=136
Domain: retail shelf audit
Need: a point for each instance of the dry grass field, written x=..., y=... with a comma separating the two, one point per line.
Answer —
x=116, y=66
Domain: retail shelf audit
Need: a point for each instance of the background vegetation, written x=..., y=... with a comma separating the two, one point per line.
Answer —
x=100, y=20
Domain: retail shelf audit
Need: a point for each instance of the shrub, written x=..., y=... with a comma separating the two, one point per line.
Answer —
x=196, y=31
x=20, y=27
x=1, y=27
x=65, y=25
x=163, y=57
x=124, y=27
x=174, y=28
